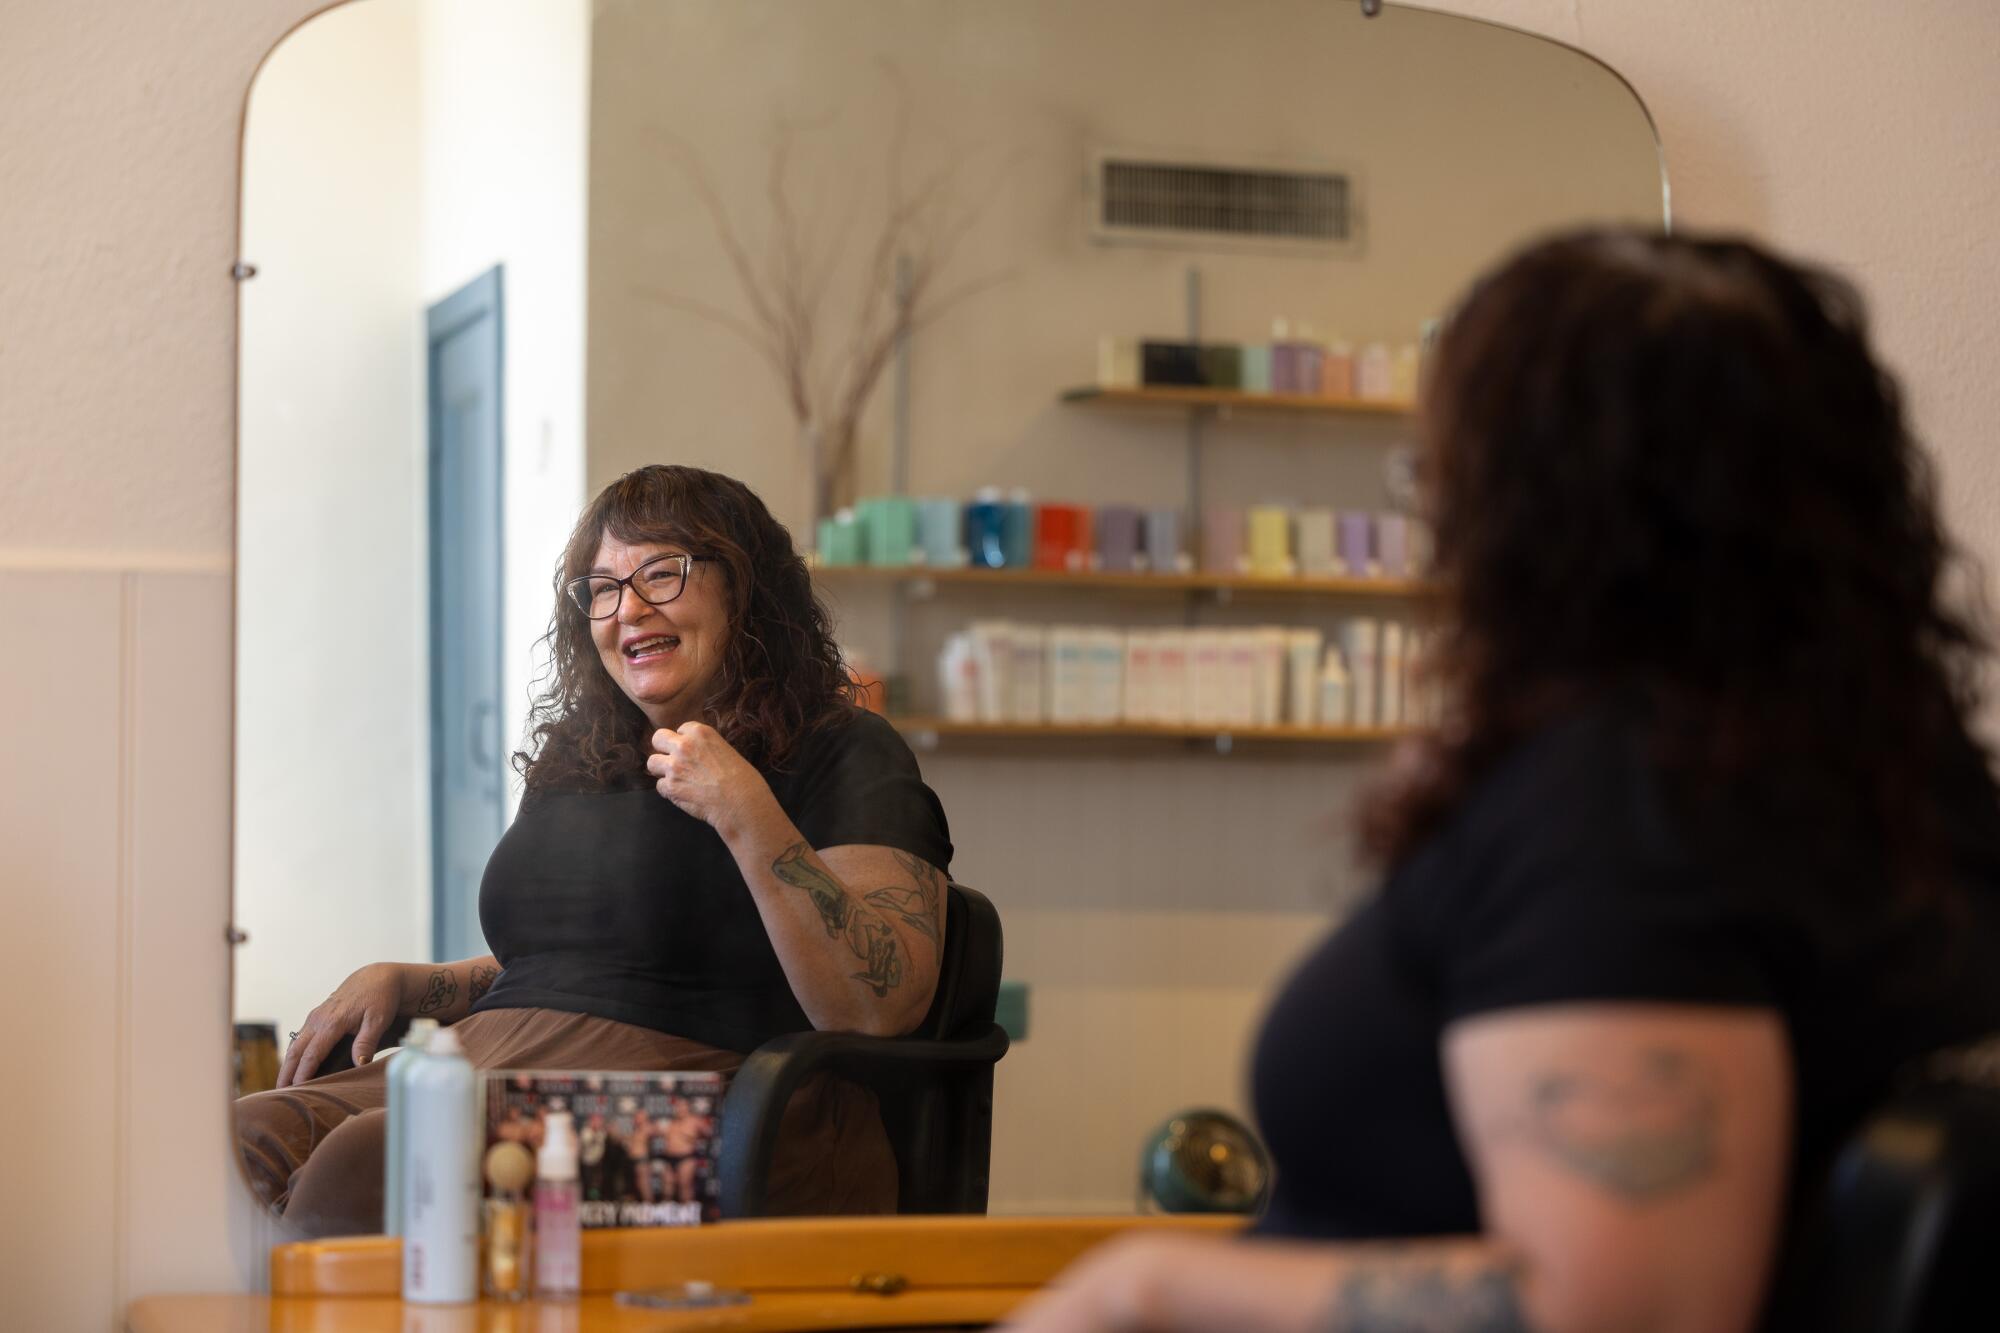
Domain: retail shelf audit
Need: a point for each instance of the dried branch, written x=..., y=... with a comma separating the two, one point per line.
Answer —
x=921, y=233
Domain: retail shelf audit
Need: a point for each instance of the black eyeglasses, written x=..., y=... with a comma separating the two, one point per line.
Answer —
x=658, y=581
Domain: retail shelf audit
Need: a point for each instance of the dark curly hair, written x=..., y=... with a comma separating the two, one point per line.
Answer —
x=781, y=675
x=1668, y=470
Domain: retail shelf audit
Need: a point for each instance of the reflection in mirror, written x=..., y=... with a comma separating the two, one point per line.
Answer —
x=843, y=251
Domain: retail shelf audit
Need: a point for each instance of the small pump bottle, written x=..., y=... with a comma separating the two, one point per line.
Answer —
x=558, y=1225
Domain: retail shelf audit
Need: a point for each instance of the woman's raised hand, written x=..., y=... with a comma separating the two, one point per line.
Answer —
x=364, y=1005
x=704, y=775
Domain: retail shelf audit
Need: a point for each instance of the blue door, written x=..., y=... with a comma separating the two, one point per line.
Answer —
x=468, y=754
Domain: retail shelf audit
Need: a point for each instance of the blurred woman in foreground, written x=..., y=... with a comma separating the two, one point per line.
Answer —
x=1704, y=852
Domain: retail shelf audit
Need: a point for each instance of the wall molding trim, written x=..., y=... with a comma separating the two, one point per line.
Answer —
x=55, y=560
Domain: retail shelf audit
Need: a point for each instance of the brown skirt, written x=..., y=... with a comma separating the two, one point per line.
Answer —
x=314, y=1151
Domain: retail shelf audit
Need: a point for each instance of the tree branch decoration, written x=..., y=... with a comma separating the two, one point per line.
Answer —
x=829, y=367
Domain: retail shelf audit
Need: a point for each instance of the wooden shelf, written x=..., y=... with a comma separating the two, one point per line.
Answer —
x=1232, y=399
x=1050, y=578
x=940, y=727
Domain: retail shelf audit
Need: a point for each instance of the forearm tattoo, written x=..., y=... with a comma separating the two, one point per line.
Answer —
x=918, y=906
x=483, y=978
x=1641, y=1132
x=439, y=991
x=868, y=936
x=1426, y=1297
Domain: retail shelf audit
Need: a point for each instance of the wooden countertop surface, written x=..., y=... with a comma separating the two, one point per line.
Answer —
x=802, y=1276
x=769, y=1312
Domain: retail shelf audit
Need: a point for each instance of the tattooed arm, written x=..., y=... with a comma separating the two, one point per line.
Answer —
x=1630, y=1164
x=372, y=998
x=857, y=928
x=446, y=991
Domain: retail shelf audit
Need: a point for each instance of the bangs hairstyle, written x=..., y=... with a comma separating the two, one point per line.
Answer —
x=1671, y=470
x=781, y=676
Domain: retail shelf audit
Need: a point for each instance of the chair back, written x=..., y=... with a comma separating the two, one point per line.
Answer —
x=1905, y=1235
x=940, y=1121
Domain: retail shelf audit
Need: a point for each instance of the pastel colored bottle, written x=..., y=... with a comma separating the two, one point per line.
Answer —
x=1018, y=530
x=1336, y=374
x=558, y=1221
x=1361, y=639
x=401, y=1061
x=441, y=1176
x=1271, y=542
x=1335, y=707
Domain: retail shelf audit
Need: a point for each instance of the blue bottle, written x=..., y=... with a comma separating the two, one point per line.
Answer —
x=1018, y=532
x=985, y=530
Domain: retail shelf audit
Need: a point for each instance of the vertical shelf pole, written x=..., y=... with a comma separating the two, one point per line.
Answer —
x=899, y=484
x=1196, y=419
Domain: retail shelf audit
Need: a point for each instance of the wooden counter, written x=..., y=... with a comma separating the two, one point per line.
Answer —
x=801, y=1274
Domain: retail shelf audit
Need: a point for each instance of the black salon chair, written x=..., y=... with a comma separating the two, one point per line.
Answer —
x=1906, y=1236
x=935, y=1085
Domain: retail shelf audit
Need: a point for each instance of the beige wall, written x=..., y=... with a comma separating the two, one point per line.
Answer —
x=1854, y=130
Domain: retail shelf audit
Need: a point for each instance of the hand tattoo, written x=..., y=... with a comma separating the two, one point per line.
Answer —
x=867, y=935
x=483, y=978
x=1418, y=1297
x=441, y=991
x=1642, y=1133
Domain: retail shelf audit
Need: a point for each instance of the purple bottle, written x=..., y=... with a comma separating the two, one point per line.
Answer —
x=1355, y=532
x=1117, y=538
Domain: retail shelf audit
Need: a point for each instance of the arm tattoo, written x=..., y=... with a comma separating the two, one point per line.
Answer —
x=440, y=992
x=483, y=978
x=1642, y=1133
x=1426, y=1298
x=868, y=936
x=918, y=906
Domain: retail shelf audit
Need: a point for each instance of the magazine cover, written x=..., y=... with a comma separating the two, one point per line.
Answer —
x=646, y=1141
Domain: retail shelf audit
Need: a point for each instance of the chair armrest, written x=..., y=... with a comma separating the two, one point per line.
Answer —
x=758, y=1094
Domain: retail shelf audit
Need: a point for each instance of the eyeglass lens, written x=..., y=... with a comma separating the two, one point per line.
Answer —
x=657, y=581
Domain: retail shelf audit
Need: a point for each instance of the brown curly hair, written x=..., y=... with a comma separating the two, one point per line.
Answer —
x=781, y=675
x=1669, y=470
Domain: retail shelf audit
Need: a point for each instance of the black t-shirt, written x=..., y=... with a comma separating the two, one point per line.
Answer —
x=1564, y=878
x=618, y=904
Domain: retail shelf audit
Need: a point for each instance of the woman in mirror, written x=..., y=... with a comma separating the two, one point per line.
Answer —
x=1704, y=853
x=715, y=846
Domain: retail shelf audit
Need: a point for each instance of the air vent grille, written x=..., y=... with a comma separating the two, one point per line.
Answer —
x=1163, y=200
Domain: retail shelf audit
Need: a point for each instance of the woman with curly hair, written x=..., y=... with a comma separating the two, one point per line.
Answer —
x=715, y=846
x=1704, y=852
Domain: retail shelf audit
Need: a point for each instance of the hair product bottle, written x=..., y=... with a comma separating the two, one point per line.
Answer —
x=509, y=1168
x=1361, y=644
x=1333, y=693
x=558, y=1225
x=401, y=1061
x=441, y=1176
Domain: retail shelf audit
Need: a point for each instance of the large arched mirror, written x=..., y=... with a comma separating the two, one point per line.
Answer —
x=1126, y=259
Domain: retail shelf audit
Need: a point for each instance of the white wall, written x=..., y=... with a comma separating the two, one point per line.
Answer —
x=505, y=129
x=464, y=150
x=1816, y=123
x=332, y=719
